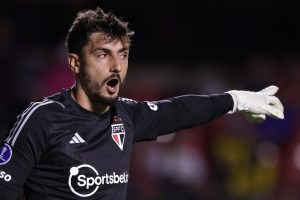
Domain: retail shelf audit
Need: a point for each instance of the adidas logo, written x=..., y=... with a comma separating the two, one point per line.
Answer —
x=77, y=139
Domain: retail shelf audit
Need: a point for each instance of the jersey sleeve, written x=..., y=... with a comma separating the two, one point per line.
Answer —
x=153, y=119
x=22, y=150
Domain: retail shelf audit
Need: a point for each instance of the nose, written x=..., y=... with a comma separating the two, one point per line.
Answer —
x=116, y=66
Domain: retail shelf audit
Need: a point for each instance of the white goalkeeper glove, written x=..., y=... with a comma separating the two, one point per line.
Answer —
x=256, y=105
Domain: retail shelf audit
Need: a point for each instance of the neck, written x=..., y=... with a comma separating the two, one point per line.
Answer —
x=84, y=101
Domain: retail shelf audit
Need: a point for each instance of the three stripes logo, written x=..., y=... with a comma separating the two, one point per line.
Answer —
x=77, y=139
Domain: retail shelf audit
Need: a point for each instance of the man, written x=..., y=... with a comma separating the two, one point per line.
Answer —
x=77, y=144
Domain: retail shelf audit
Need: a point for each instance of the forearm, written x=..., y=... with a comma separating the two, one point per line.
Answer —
x=191, y=110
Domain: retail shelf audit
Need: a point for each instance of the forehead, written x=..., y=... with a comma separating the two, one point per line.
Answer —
x=98, y=39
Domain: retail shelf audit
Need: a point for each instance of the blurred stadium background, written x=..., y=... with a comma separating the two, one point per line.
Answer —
x=179, y=47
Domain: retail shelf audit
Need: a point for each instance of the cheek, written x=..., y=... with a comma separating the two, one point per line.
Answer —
x=123, y=73
x=95, y=71
x=90, y=76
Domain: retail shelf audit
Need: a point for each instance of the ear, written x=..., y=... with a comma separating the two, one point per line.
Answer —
x=74, y=63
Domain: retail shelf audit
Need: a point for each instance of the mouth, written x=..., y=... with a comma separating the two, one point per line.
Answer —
x=112, y=85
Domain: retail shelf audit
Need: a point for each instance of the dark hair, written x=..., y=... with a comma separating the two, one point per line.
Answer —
x=91, y=21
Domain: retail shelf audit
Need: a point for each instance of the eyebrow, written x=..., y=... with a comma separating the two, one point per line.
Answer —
x=108, y=50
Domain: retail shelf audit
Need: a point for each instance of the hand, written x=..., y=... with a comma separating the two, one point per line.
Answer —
x=256, y=105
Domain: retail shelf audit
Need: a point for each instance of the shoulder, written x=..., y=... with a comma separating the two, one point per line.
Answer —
x=138, y=105
x=47, y=104
x=127, y=101
x=41, y=109
x=33, y=119
x=126, y=105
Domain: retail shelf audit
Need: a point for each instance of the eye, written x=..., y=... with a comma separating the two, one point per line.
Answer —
x=101, y=55
x=124, y=55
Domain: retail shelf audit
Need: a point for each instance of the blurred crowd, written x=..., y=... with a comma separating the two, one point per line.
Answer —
x=226, y=159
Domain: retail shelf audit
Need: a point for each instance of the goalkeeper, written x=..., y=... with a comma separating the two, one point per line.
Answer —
x=77, y=143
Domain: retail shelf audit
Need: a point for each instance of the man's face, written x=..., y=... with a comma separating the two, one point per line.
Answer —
x=103, y=68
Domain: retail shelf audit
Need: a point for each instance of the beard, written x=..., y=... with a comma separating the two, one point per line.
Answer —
x=93, y=88
x=107, y=101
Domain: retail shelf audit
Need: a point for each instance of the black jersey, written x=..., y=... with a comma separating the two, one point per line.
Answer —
x=58, y=150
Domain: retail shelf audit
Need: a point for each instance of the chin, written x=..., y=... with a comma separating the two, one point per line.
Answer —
x=108, y=101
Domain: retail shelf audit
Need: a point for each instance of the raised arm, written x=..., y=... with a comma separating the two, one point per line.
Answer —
x=162, y=117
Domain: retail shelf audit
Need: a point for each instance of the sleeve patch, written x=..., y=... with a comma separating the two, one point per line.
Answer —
x=5, y=154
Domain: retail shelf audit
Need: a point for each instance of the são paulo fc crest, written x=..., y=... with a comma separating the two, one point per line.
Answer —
x=118, y=134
